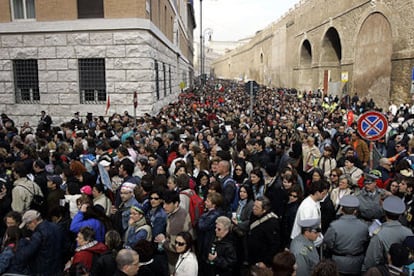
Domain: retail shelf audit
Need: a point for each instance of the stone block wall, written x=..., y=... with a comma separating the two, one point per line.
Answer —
x=129, y=63
x=364, y=29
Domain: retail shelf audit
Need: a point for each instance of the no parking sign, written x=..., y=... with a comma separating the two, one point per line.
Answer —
x=372, y=125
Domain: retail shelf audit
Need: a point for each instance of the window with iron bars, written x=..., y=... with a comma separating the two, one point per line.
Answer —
x=157, y=79
x=169, y=78
x=92, y=83
x=165, y=79
x=26, y=81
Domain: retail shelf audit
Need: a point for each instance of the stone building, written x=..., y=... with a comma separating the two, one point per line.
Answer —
x=353, y=46
x=64, y=56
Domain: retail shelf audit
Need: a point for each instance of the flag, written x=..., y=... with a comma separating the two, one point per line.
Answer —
x=108, y=104
x=135, y=99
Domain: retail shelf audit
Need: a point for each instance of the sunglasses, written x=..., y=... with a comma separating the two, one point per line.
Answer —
x=154, y=198
x=177, y=243
x=316, y=230
x=334, y=175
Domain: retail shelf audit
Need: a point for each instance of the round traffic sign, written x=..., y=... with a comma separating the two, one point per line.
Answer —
x=372, y=125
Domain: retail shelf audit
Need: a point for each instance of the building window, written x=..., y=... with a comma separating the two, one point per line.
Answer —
x=90, y=9
x=26, y=81
x=169, y=77
x=157, y=80
x=23, y=9
x=92, y=82
x=165, y=79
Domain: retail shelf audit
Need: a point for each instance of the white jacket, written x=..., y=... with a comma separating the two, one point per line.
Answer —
x=186, y=264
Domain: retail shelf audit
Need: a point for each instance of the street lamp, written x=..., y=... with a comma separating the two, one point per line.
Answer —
x=209, y=32
x=201, y=47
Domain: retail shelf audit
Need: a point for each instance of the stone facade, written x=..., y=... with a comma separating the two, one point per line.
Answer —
x=132, y=45
x=320, y=42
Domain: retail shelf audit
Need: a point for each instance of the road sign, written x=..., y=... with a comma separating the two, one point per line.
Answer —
x=344, y=76
x=372, y=125
x=248, y=85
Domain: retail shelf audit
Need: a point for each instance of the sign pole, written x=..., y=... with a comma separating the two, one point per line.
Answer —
x=135, y=108
x=371, y=155
x=251, y=100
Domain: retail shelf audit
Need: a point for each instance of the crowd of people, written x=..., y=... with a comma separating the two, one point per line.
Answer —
x=209, y=186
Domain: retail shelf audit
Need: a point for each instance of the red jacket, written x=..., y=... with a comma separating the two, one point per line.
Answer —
x=85, y=256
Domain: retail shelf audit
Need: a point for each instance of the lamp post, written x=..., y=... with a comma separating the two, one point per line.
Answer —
x=201, y=47
x=208, y=32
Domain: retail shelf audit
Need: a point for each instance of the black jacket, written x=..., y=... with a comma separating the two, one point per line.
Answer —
x=44, y=251
x=263, y=241
x=226, y=257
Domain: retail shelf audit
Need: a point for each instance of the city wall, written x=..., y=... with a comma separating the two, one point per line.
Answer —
x=343, y=47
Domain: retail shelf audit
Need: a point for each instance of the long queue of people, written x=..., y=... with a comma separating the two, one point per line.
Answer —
x=209, y=187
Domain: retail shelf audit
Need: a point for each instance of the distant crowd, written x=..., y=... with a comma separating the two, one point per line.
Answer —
x=209, y=186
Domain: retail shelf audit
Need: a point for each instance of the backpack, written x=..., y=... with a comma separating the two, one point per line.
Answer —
x=38, y=202
x=196, y=207
x=235, y=204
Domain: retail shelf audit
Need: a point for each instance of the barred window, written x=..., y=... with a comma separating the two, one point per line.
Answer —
x=92, y=83
x=157, y=80
x=26, y=81
x=169, y=77
x=165, y=80
x=90, y=9
x=23, y=9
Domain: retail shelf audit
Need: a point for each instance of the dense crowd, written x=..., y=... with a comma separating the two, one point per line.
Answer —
x=209, y=186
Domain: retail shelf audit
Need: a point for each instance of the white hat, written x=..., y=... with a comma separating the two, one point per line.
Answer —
x=128, y=186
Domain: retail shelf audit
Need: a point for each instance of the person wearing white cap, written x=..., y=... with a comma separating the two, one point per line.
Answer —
x=43, y=250
x=121, y=213
x=346, y=238
x=391, y=232
x=303, y=247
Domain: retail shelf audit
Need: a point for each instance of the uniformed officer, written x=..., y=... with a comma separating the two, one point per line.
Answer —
x=391, y=232
x=347, y=238
x=369, y=199
x=303, y=247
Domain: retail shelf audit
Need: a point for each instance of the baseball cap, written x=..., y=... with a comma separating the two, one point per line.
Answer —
x=28, y=217
x=55, y=179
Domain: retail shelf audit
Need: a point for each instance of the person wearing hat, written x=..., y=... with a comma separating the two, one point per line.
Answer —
x=369, y=199
x=303, y=246
x=138, y=229
x=346, y=238
x=390, y=232
x=55, y=193
x=76, y=122
x=43, y=250
x=121, y=212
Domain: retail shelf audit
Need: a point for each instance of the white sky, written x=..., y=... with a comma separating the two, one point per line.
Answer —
x=232, y=20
